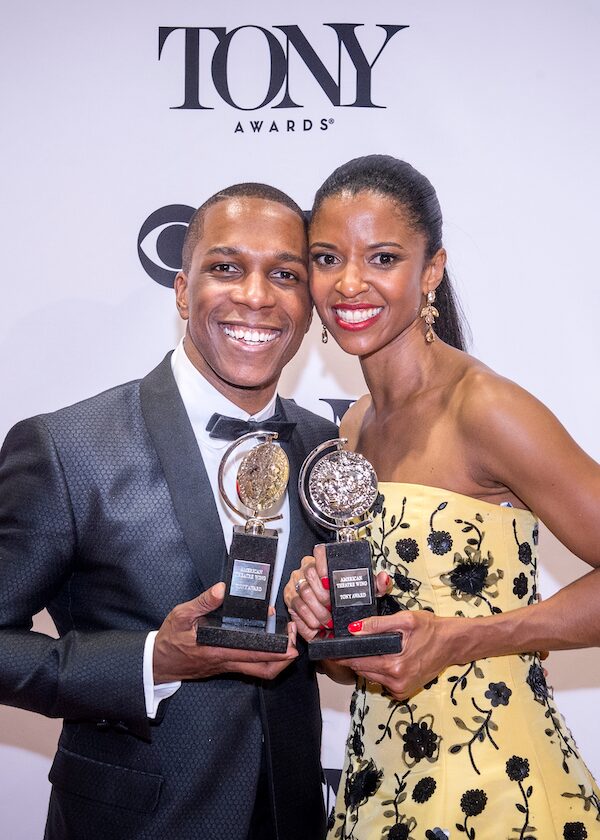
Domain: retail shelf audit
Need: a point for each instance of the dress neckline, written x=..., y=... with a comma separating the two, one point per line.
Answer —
x=444, y=490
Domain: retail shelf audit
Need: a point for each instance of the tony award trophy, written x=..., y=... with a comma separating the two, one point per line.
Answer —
x=244, y=622
x=338, y=490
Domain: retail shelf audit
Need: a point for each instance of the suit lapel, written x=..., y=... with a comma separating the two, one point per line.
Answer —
x=175, y=443
x=301, y=537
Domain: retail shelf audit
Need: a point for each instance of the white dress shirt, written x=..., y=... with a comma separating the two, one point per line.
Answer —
x=201, y=401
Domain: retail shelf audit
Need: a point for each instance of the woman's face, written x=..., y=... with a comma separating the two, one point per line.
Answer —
x=368, y=270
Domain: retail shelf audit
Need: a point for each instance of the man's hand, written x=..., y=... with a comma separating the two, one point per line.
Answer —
x=177, y=656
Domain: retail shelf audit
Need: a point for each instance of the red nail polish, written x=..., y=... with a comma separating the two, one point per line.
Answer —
x=328, y=607
x=321, y=633
x=325, y=582
x=355, y=626
x=329, y=624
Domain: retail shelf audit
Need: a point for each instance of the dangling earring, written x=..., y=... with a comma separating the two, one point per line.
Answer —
x=430, y=313
x=324, y=335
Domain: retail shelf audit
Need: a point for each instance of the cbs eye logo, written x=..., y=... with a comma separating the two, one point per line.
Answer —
x=160, y=242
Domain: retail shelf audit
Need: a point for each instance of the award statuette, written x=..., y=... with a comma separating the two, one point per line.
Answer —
x=243, y=620
x=338, y=491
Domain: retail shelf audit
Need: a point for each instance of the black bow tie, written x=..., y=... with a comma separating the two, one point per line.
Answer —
x=230, y=428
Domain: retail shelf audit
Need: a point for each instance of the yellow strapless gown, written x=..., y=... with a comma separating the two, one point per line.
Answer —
x=482, y=752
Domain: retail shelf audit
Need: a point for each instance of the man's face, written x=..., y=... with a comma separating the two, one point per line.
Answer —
x=246, y=297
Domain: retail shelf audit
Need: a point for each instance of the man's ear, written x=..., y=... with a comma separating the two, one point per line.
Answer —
x=310, y=317
x=181, y=299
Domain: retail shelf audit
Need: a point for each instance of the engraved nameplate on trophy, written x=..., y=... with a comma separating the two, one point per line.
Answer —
x=243, y=621
x=338, y=489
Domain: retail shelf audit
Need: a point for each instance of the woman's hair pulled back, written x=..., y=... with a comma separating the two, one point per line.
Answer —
x=414, y=194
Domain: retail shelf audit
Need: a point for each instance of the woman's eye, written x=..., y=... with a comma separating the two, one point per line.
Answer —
x=325, y=259
x=384, y=259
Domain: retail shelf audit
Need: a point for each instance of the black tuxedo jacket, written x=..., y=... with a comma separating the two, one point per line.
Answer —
x=107, y=519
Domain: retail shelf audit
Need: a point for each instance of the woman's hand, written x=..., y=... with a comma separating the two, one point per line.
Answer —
x=426, y=651
x=307, y=595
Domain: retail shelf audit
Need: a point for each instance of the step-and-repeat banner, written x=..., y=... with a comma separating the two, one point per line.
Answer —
x=120, y=118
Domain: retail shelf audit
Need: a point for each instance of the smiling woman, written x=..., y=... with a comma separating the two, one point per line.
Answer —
x=463, y=458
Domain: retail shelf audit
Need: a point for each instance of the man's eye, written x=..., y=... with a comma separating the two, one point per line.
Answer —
x=325, y=259
x=384, y=259
x=282, y=274
x=223, y=267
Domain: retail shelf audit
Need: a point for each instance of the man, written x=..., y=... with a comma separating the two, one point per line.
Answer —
x=110, y=518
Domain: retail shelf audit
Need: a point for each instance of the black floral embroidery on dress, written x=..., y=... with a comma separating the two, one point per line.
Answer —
x=590, y=800
x=498, y=694
x=520, y=585
x=472, y=804
x=424, y=789
x=555, y=730
x=357, y=743
x=388, y=605
x=407, y=549
x=420, y=741
x=377, y=505
x=484, y=726
x=469, y=577
x=439, y=542
x=357, y=731
x=402, y=825
x=517, y=770
x=537, y=683
x=362, y=782
x=472, y=579
x=404, y=583
x=362, y=785
x=400, y=831
x=574, y=831
x=461, y=681
x=526, y=557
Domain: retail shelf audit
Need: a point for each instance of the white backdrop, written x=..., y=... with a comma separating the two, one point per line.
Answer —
x=496, y=103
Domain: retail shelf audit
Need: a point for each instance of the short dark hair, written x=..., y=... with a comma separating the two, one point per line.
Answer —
x=415, y=195
x=249, y=190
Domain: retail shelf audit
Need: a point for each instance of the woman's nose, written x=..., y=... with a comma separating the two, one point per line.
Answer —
x=350, y=282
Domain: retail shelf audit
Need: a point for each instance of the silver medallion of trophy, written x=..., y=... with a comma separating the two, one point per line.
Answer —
x=338, y=488
x=243, y=621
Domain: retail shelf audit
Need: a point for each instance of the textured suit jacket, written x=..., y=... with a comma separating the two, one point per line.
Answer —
x=107, y=519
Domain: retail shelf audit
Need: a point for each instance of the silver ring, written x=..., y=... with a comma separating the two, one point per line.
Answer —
x=299, y=584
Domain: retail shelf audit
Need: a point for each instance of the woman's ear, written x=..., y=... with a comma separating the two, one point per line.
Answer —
x=434, y=271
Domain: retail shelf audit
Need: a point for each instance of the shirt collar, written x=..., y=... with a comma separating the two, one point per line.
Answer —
x=202, y=400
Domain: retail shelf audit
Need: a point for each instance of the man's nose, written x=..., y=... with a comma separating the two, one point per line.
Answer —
x=351, y=282
x=255, y=291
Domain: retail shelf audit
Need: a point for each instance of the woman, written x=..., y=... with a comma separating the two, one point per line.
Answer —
x=458, y=735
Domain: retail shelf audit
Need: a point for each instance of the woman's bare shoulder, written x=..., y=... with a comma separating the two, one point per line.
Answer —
x=353, y=418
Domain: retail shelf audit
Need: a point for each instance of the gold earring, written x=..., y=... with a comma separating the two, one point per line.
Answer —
x=324, y=335
x=430, y=313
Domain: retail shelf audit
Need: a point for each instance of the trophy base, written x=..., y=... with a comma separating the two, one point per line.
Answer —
x=349, y=647
x=215, y=631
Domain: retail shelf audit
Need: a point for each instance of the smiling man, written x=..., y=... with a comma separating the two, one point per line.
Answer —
x=110, y=517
